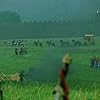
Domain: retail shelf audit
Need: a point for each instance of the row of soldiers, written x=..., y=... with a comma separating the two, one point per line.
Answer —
x=95, y=62
x=17, y=43
x=49, y=43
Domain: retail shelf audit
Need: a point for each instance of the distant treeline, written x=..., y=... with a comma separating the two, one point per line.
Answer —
x=9, y=17
x=11, y=26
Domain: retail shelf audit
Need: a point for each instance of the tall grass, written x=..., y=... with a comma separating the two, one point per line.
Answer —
x=36, y=91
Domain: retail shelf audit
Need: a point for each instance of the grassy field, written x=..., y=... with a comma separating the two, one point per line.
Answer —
x=41, y=66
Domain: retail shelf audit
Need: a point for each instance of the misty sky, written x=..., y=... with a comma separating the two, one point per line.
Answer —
x=52, y=9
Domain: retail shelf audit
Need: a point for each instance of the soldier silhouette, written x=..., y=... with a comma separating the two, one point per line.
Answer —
x=61, y=89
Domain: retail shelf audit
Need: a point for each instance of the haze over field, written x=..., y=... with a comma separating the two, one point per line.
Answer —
x=52, y=9
x=48, y=18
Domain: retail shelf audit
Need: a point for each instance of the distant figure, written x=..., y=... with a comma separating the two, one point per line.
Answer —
x=64, y=43
x=35, y=43
x=48, y=43
x=53, y=44
x=21, y=76
x=97, y=62
x=13, y=42
x=18, y=42
x=21, y=51
x=92, y=62
x=41, y=45
x=62, y=89
x=16, y=51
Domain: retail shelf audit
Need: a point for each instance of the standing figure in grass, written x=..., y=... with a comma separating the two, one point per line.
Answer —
x=21, y=76
x=16, y=51
x=91, y=62
x=61, y=89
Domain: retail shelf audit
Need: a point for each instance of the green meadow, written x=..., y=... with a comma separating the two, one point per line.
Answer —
x=44, y=63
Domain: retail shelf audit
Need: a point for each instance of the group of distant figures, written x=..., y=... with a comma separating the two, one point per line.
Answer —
x=49, y=43
x=20, y=51
x=19, y=47
x=39, y=43
x=17, y=43
x=95, y=62
x=62, y=43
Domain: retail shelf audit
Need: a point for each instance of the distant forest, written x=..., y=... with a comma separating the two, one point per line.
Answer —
x=11, y=27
